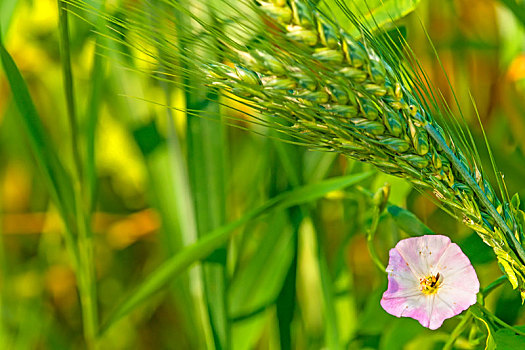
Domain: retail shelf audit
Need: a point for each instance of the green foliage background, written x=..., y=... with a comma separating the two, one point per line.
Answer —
x=281, y=231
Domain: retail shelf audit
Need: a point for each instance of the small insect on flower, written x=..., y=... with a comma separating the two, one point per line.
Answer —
x=430, y=280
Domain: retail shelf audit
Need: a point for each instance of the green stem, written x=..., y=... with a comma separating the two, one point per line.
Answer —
x=466, y=319
x=458, y=330
x=4, y=339
x=68, y=81
x=85, y=270
x=465, y=174
x=496, y=319
x=498, y=282
x=370, y=241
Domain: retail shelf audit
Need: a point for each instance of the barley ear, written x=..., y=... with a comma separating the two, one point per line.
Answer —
x=305, y=76
x=339, y=94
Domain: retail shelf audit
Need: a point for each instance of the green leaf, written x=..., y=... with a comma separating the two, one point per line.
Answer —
x=374, y=319
x=477, y=251
x=314, y=191
x=506, y=339
x=408, y=222
x=257, y=283
x=7, y=8
x=148, y=138
x=58, y=181
x=198, y=251
x=399, y=334
x=478, y=314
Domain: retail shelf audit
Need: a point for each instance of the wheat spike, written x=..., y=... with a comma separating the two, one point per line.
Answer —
x=339, y=95
x=337, y=92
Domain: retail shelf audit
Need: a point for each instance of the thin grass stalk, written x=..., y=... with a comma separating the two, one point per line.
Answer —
x=85, y=270
x=67, y=73
x=492, y=286
x=370, y=240
x=456, y=332
x=206, y=157
x=4, y=337
x=92, y=116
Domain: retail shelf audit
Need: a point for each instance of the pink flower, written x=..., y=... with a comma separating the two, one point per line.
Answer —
x=430, y=280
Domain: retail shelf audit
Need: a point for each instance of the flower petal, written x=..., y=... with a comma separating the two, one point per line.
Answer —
x=417, y=306
x=402, y=281
x=448, y=303
x=403, y=298
x=423, y=253
x=457, y=271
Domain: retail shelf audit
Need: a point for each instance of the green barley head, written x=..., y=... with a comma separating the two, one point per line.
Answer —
x=331, y=78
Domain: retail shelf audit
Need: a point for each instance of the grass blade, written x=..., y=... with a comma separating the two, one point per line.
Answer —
x=206, y=162
x=58, y=181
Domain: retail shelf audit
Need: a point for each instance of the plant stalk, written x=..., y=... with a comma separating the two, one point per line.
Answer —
x=370, y=241
x=85, y=270
x=462, y=325
x=496, y=319
x=498, y=282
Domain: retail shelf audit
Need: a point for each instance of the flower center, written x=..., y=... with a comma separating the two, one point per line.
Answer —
x=430, y=284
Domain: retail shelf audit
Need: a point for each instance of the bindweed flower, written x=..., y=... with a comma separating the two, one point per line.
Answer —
x=430, y=280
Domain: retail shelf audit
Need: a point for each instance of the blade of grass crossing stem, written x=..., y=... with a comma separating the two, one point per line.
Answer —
x=206, y=165
x=205, y=147
x=57, y=180
x=170, y=190
x=206, y=245
x=187, y=224
x=85, y=272
x=206, y=158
